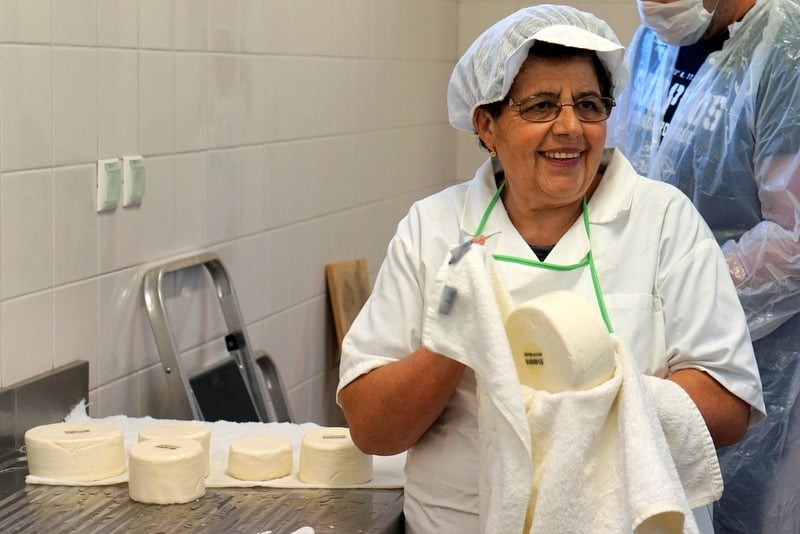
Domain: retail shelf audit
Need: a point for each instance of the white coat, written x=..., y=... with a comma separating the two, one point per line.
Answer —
x=663, y=277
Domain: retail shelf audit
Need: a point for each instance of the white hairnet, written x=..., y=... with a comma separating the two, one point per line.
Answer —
x=487, y=69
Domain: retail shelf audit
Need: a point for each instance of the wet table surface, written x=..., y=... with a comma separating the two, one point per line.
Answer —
x=108, y=509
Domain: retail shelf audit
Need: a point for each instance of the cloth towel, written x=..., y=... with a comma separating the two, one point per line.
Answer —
x=630, y=455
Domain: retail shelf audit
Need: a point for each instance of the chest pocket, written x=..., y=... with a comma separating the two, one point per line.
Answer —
x=638, y=320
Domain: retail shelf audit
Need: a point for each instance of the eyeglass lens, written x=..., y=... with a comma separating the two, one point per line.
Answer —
x=544, y=109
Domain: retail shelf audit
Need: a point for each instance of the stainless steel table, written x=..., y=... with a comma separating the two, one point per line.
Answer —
x=108, y=509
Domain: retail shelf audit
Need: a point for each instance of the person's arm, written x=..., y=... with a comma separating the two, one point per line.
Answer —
x=391, y=407
x=710, y=354
x=765, y=262
x=725, y=414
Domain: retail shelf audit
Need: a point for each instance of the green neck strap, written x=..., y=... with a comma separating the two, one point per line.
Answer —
x=587, y=261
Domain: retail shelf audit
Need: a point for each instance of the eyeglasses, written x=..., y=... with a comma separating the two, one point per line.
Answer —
x=545, y=108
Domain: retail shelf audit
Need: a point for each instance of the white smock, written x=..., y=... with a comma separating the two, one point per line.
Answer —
x=665, y=284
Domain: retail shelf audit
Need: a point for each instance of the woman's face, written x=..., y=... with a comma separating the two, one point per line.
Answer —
x=551, y=163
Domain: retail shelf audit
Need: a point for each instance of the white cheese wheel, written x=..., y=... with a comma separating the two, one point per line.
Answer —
x=559, y=342
x=328, y=457
x=75, y=451
x=166, y=471
x=260, y=458
x=200, y=432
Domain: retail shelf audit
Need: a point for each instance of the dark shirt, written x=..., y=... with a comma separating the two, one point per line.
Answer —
x=690, y=59
x=542, y=251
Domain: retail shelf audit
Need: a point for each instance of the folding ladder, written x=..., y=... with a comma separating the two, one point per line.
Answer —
x=242, y=386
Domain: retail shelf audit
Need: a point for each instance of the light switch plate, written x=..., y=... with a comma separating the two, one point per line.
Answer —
x=133, y=181
x=109, y=184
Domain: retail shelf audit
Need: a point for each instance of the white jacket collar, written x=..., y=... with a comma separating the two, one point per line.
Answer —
x=612, y=199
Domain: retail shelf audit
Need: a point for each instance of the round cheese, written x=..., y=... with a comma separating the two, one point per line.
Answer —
x=559, y=342
x=75, y=451
x=328, y=457
x=200, y=432
x=260, y=458
x=166, y=471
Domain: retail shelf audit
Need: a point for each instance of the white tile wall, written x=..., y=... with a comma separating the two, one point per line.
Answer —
x=279, y=134
x=75, y=105
x=75, y=22
x=26, y=129
x=157, y=26
x=156, y=102
x=75, y=228
x=119, y=331
x=27, y=344
x=25, y=22
x=191, y=102
x=75, y=325
x=26, y=231
x=117, y=102
x=190, y=202
x=224, y=34
x=118, y=23
x=156, y=216
x=118, y=239
x=191, y=24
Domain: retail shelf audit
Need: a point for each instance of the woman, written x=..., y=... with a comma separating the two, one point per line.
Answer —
x=536, y=88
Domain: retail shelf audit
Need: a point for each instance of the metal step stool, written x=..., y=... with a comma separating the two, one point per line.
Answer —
x=241, y=387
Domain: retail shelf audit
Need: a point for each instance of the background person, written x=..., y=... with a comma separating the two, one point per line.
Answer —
x=714, y=108
x=537, y=88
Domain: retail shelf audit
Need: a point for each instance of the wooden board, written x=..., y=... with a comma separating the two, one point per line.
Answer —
x=348, y=288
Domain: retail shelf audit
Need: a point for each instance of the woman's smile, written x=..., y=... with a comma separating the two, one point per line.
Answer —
x=561, y=155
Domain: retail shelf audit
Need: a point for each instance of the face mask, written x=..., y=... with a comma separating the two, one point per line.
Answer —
x=679, y=23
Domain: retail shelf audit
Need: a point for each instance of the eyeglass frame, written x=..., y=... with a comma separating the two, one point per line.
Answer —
x=607, y=101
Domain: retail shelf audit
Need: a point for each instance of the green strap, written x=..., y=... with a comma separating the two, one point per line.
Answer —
x=601, y=303
x=488, y=211
x=542, y=264
x=587, y=261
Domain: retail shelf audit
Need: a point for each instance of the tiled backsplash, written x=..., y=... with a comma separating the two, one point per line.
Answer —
x=42, y=399
x=271, y=136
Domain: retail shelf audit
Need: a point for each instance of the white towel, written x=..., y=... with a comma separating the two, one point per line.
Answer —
x=472, y=333
x=689, y=443
x=637, y=480
x=601, y=460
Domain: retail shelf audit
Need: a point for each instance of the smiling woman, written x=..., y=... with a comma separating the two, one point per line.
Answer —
x=551, y=162
x=536, y=88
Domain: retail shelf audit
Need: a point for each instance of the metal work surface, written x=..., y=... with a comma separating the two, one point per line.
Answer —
x=108, y=509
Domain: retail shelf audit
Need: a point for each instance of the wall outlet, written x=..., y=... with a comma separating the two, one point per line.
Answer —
x=109, y=184
x=132, y=180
